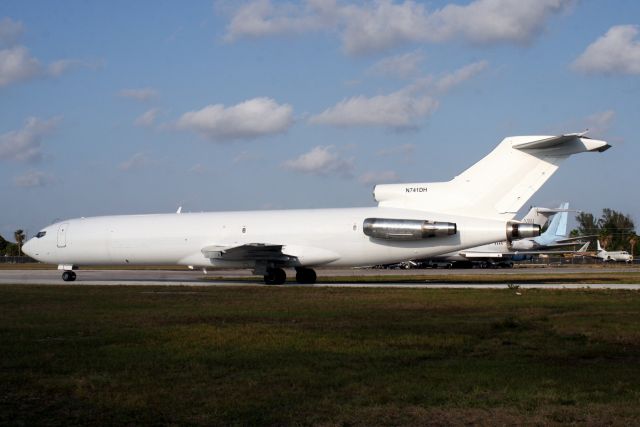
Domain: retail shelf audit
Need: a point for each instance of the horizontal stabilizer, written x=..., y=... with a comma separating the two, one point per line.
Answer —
x=555, y=141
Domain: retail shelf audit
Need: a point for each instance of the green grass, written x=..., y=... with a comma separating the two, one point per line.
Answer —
x=317, y=356
x=521, y=277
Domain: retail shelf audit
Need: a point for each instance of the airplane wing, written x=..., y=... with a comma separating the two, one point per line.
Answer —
x=247, y=252
x=573, y=240
x=472, y=255
x=543, y=252
x=291, y=255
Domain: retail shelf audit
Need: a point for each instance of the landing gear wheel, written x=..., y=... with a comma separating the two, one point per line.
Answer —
x=306, y=276
x=275, y=276
x=68, y=276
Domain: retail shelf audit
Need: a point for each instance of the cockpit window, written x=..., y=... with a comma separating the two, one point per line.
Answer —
x=41, y=234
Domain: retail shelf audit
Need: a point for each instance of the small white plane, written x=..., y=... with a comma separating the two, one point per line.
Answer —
x=613, y=256
x=411, y=221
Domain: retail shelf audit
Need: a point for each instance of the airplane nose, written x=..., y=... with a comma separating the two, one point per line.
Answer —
x=27, y=248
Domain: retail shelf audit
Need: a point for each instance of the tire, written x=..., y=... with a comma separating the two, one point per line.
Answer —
x=275, y=276
x=306, y=276
x=68, y=276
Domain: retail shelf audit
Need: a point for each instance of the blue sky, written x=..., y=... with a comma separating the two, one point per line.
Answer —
x=137, y=107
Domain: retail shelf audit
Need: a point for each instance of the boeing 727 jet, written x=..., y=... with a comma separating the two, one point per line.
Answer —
x=411, y=221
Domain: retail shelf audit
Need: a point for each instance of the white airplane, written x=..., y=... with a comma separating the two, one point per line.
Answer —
x=613, y=256
x=411, y=221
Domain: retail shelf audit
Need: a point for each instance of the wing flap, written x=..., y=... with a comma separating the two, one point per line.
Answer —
x=246, y=252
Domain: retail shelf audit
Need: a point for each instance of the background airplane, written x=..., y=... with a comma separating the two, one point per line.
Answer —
x=612, y=256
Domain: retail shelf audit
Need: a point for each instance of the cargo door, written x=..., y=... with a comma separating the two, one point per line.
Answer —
x=62, y=235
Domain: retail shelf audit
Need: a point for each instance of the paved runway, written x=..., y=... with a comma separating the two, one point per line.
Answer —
x=239, y=278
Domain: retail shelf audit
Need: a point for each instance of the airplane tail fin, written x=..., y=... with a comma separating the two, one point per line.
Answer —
x=558, y=226
x=498, y=185
x=584, y=247
x=598, y=245
x=539, y=215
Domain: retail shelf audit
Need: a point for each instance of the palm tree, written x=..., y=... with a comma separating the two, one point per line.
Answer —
x=20, y=238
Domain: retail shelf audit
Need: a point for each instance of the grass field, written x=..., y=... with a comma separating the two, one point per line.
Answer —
x=523, y=277
x=317, y=356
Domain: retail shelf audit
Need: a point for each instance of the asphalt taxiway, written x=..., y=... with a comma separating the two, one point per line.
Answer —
x=244, y=278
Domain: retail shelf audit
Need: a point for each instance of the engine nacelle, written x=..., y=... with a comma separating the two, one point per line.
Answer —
x=406, y=229
x=516, y=230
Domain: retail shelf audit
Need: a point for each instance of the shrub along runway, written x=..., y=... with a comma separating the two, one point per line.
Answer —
x=220, y=355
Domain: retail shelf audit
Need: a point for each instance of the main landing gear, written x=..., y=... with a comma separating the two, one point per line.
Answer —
x=305, y=276
x=277, y=276
x=68, y=276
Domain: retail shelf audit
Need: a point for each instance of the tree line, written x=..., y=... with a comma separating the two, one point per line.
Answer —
x=10, y=248
x=616, y=231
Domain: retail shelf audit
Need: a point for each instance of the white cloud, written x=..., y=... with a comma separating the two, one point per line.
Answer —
x=249, y=119
x=32, y=179
x=321, y=160
x=10, y=31
x=451, y=80
x=399, y=109
x=16, y=64
x=383, y=177
x=142, y=94
x=262, y=18
x=494, y=21
x=375, y=26
x=617, y=52
x=137, y=161
x=25, y=144
x=403, y=65
x=148, y=118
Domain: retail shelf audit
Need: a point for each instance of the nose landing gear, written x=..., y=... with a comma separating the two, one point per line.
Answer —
x=68, y=276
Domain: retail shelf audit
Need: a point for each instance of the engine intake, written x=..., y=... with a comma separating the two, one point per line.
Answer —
x=406, y=229
x=516, y=230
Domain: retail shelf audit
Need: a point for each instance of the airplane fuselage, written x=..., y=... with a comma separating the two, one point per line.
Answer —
x=315, y=237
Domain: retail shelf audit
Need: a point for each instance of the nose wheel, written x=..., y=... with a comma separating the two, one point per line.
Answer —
x=68, y=276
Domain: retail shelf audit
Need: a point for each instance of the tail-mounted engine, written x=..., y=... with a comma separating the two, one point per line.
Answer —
x=516, y=230
x=406, y=229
